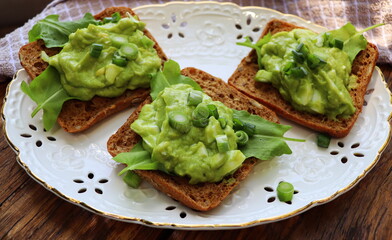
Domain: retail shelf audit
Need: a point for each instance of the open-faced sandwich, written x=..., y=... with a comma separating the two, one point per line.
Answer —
x=316, y=80
x=83, y=71
x=196, y=138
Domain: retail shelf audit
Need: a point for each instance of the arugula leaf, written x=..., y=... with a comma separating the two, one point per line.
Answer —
x=265, y=147
x=170, y=75
x=47, y=91
x=263, y=126
x=55, y=33
x=136, y=159
x=353, y=40
x=268, y=140
x=256, y=46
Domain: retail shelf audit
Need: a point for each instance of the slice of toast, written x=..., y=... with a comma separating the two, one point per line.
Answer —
x=202, y=196
x=243, y=80
x=77, y=115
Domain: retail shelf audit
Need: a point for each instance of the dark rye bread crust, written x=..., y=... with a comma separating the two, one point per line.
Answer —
x=243, y=80
x=76, y=115
x=203, y=196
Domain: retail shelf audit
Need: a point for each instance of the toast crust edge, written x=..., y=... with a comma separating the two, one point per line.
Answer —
x=77, y=116
x=242, y=79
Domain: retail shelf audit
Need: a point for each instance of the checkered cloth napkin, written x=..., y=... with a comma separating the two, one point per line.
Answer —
x=331, y=14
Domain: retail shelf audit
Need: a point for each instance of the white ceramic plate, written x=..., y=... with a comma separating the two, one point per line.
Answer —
x=78, y=168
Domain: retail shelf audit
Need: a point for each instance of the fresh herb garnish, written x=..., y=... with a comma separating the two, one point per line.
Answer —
x=170, y=75
x=268, y=140
x=353, y=40
x=47, y=91
x=55, y=33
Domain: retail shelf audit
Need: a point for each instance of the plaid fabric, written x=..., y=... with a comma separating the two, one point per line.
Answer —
x=331, y=14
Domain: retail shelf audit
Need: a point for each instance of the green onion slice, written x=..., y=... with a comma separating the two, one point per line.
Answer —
x=237, y=124
x=195, y=97
x=213, y=110
x=179, y=121
x=313, y=61
x=201, y=111
x=107, y=20
x=242, y=137
x=116, y=17
x=338, y=44
x=298, y=72
x=129, y=51
x=285, y=191
x=299, y=57
x=132, y=179
x=222, y=143
x=119, y=61
x=118, y=41
x=200, y=123
x=96, y=50
x=323, y=140
x=222, y=121
x=287, y=68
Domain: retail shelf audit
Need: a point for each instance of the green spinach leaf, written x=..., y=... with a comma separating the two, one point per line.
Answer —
x=268, y=140
x=353, y=40
x=170, y=75
x=256, y=46
x=47, y=91
x=136, y=159
x=55, y=33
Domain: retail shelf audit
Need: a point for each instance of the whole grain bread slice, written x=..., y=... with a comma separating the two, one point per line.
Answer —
x=243, y=80
x=202, y=196
x=76, y=115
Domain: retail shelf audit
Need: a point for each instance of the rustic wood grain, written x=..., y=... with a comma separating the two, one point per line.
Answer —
x=29, y=211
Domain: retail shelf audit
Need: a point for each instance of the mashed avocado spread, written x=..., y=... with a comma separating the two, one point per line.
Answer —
x=84, y=75
x=313, y=77
x=193, y=152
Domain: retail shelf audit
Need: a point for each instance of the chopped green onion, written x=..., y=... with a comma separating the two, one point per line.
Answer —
x=298, y=72
x=96, y=50
x=129, y=51
x=194, y=98
x=249, y=128
x=200, y=123
x=222, y=121
x=302, y=48
x=338, y=44
x=287, y=68
x=118, y=41
x=285, y=191
x=237, y=124
x=179, y=121
x=242, y=137
x=107, y=20
x=298, y=56
x=213, y=110
x=314, y=61
x=222, y=143
x=116, y=17
x=119, y=61
x=201, y=111
x=132, y=179
x=299, y=47
x=323, y=140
